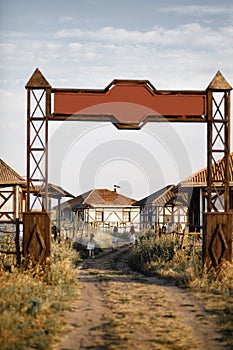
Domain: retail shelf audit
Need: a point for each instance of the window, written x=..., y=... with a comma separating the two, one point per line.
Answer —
x=126, y=216
x=99, y=215
x=81, y=215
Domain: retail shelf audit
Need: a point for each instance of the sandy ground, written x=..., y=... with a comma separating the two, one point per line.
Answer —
x=121, y=309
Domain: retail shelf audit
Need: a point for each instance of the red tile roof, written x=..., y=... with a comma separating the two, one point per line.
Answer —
x=99, y=198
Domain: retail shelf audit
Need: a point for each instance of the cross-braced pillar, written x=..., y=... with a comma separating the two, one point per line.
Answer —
x=38, y=111
x=217, y=240
x=36, y=221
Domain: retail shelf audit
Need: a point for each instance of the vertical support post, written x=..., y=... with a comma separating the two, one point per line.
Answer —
x=17, y=243
x=47, y=114
x=59, y=216
x=209, y=151
x=217, y=244
x=227, y=151
x=38, y=112
x=28, y=149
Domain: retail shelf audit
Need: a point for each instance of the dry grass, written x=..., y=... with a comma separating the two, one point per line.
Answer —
x=7, y=244
x=31, y=300
x=214, y=287
x=140, y=318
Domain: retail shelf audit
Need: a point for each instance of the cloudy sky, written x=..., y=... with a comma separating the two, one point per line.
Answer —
x=86, y=44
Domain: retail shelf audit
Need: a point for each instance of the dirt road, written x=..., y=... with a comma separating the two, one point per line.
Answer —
x=121, y=309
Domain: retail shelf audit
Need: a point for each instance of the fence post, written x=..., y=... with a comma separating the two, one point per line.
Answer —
x=17, y=244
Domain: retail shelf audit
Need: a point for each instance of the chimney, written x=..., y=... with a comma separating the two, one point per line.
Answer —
x=115, y=187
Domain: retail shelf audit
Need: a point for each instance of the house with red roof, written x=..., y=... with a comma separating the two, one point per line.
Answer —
x=12, y=194
x=183, y=204
x=101, y=208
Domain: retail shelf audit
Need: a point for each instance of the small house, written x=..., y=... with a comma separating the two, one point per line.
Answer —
x=158, y=210
x=184, y=204
x=194, y=188
x=101, y=208
x=12, y=194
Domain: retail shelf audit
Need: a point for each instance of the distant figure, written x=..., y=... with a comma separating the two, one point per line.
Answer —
x=169, y=227
x=164, y=228
x=132, y=237
x=158, y=230
x=54, y=232
x=179, y=228
x=115, y=237
x=91, y=246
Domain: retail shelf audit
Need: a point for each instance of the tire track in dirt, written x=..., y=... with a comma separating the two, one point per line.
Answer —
x=121, y=309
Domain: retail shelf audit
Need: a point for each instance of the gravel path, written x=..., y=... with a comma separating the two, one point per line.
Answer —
x=121, y=309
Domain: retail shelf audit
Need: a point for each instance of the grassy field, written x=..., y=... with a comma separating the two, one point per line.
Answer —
x=162, y=257
x=31, y=301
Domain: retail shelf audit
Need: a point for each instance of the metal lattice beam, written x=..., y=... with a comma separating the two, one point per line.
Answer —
x=218, y=219
x=38, y=111
x=218, y=119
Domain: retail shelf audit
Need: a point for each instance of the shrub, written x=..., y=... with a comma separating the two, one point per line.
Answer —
x=162, y=257
x=32, y=299
x=152, y=249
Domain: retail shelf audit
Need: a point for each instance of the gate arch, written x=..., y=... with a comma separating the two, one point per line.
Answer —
x=116, y=103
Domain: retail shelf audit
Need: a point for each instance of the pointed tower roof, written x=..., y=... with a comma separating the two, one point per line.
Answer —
x=37, y=80
x=219, y=83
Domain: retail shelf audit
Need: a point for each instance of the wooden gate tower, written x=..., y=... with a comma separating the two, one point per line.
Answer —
x=129, y=104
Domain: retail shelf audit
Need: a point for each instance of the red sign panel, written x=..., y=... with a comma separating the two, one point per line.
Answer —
x=129, y=102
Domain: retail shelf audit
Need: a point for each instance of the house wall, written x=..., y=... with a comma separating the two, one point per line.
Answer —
x=152, y=216
x=12, y=203
x=148, y=217
x=110, y=217
x=104, y=217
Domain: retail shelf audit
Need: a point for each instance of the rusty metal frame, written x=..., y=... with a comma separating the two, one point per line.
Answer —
x=218, y=121
x=39, y=92
x=189, y=106
x=217, y=244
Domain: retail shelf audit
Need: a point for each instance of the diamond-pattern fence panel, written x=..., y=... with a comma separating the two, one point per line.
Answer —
x=217, y=241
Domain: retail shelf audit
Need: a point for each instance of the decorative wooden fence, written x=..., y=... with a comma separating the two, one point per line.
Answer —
x=10, y=244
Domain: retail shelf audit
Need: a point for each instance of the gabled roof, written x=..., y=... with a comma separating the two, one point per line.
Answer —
x=199, y=179
x=57, y=191
x=161, y=197
x=8, y=176
x=99, y=198
x=179, y=198
x=54, y=191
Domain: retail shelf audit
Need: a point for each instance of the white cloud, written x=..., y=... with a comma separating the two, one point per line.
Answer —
x=187, y=44
x=198, y=10
x=184, y=57
x=172, y=56
x=64, y=19
x=193, y=34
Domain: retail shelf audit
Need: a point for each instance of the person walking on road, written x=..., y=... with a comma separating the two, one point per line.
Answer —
x=115, y=238
x=91, y=246
x=132, y=237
